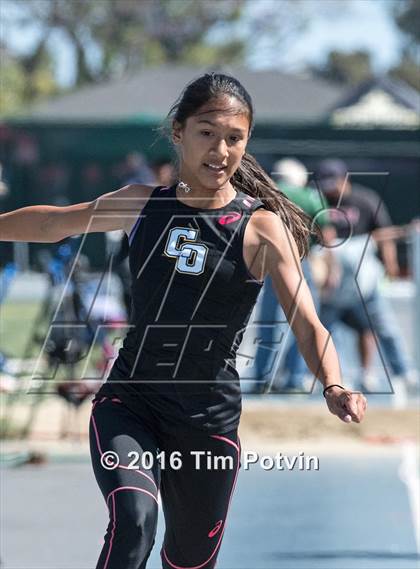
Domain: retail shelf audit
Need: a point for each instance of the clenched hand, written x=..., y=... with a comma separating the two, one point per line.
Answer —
x=347, y=405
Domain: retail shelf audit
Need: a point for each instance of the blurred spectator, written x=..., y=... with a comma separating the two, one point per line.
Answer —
x=7, y=382
x=137, y=170
x=290, y=172
x=291, y=177
x=24, y=161
x=122, y=270
x=357, y=212
x=92, y=180
x=4, y=189
x=26, y=151
x=53, y=183
x=6, y=247
x=165, y=173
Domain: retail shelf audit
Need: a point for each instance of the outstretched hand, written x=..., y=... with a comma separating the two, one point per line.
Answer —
x=347, y=405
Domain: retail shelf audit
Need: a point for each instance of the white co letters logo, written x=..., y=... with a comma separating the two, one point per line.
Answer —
x=191, y=256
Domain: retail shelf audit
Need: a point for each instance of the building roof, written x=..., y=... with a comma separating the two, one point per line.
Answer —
x=379, y=102
x=147, y=96
x=151, y=92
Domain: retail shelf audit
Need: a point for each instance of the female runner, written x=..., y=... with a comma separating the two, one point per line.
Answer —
x=199, y=252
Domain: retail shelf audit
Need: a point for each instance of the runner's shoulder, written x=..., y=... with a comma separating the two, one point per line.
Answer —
x=133, y=191
x=132, y=199
x=265, y=226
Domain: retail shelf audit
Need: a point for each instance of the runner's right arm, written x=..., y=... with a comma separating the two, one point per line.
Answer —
x=49, y=224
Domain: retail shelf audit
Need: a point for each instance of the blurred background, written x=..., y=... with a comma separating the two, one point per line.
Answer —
x=85, y=88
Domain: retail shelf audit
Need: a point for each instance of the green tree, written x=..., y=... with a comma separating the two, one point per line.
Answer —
x=345, y=68
x=24, y=80
x=407, y=70
x=407, y=18
x=112, y=37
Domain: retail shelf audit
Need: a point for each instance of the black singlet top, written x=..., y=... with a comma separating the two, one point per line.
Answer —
x=192, y=296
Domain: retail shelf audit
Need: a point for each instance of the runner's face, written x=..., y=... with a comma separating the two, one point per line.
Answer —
x=212, y=143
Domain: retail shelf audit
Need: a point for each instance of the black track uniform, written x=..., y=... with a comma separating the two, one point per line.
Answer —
x=174, y=385
x=192, y=297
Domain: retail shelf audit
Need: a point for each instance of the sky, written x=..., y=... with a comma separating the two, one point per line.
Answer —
x=343, y=25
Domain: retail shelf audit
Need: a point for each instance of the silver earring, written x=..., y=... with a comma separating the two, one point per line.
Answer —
x=184, y=186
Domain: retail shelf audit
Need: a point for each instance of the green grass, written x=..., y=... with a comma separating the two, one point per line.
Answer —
x=16, y=327
x=16, y=321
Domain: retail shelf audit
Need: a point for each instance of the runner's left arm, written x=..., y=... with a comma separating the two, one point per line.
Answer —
x=282, y=263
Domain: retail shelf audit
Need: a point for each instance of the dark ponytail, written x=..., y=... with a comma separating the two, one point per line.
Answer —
x=249, y=177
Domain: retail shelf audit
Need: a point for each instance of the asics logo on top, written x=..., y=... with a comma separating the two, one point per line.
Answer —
x=229, y=218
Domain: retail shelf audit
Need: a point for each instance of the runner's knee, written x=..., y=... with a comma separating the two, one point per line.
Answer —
x=135, y=515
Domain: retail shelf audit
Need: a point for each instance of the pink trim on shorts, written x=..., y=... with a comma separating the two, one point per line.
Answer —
x=98, y=443
x=114, y=514
x=132, y=488
x=114, y=517
x=226, y=440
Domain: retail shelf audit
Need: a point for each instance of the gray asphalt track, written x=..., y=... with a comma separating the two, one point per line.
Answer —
x=354, y=512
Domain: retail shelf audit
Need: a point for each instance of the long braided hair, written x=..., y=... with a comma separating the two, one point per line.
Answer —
x=250, y=177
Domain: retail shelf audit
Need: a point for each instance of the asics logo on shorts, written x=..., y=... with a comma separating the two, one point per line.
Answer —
x=216, y=529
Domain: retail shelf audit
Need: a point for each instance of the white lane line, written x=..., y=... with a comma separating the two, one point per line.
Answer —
x=409, y=474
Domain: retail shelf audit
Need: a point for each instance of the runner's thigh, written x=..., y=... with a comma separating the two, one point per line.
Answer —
x=115, y=433
x=196, y=497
